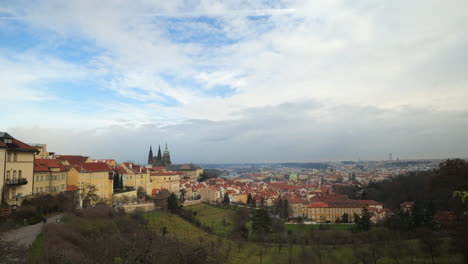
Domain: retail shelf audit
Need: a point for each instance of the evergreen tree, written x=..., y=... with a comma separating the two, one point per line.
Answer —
x=226, y=200
x=116, y=181
x=279, y=208
x=261, y=222
x=345, y=218
x=357, y=222
x=416, y=216
x=173, y=203
x=428, y=215
x=364, y=195
x=249, y=199
x=285, y=209
x=365, y=220
x=121, y=182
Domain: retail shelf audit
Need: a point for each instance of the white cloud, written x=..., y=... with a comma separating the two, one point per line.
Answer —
x=296, y=131
x=361, y=54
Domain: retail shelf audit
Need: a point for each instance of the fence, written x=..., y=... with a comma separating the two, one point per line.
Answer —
x=5, y=212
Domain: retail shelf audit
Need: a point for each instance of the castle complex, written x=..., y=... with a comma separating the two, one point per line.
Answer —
x=163, y=160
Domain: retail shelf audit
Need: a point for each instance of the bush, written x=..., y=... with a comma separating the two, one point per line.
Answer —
x=125, y=241
x=28, y=213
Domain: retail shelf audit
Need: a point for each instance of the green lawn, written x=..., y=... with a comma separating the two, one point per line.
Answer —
x=38, y=253
x=273, y=253
x=246, y=252
x=173, y=224
x=218, y=219
x=300, y=228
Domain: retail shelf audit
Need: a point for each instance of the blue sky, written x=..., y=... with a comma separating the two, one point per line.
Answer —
x=243, y=76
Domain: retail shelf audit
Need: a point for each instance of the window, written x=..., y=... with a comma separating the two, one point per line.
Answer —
x=15, y=157
x=14, y=174
x=37, y=189
x=9, y=157
x=42, y=178
x=55, y=177
x=20, y=174
x=41, y=189
x=8, y=175
x=62, y=187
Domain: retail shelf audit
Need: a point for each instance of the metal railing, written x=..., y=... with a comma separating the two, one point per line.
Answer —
x=17, y=181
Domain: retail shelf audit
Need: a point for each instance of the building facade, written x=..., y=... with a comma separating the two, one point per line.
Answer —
x=323, y=212
x=166, y=180
x=99, y=175
x=50, y=176
x=187, y=171
x=18, y=169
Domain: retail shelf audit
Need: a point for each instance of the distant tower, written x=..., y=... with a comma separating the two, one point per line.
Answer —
x=158, y=161
x=390, y=156
x=150, y=156
x=166, y=160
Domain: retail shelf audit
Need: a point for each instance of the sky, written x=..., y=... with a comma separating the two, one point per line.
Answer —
x=237, y=81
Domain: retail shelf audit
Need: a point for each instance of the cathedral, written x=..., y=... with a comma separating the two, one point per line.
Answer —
x=159, y=160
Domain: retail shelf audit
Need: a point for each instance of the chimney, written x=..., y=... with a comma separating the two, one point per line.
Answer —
x=131, y=165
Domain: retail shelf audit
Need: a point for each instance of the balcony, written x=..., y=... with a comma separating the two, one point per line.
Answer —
x=18, y=181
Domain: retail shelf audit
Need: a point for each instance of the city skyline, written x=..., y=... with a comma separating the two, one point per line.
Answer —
x=233, y=82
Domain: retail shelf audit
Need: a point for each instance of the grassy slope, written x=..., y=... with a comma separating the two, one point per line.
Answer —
x=218, y=219
x=250, y=251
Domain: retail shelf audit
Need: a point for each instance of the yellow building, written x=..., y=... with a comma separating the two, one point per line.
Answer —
x=165, y=180
x=137, y=176
x=2, y=172
x=187, y=171
x=18, y=169
x=330, y=211
x=97, y=174
x=50, y=176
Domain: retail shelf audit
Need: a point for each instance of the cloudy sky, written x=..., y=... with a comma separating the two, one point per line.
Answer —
x=237, y=81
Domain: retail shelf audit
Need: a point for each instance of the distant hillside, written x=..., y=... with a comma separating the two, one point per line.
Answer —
x=435, y=186
x=306, y=165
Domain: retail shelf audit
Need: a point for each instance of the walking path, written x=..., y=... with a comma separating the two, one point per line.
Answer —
x=25, y=236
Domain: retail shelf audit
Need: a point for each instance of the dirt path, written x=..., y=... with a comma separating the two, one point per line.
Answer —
x=25, y=236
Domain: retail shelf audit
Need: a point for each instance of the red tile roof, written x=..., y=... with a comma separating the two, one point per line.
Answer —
x=44, y=165
x=93, y=167
x=73, y=159
x=164, y=173
x=18, y=146
x=317, y=205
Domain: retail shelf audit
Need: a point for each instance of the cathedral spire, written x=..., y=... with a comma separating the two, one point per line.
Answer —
x=150, y=156
x=159, y=157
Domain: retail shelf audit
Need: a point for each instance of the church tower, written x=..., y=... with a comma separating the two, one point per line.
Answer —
x=159, y=158
x=150, y=156
x=166, y=157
